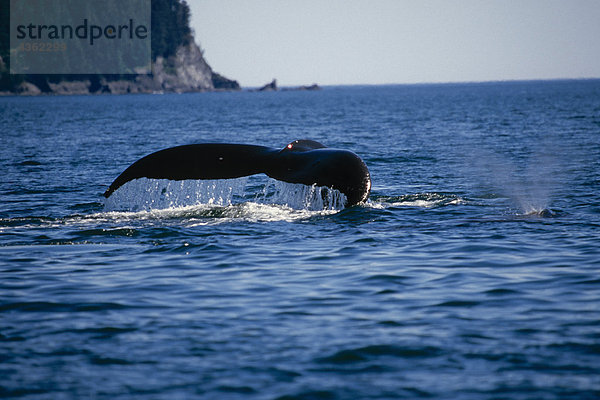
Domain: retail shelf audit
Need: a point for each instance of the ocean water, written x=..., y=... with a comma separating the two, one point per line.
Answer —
x=473, y=271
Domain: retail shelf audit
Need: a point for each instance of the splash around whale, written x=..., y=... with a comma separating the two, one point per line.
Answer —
x=301, y=161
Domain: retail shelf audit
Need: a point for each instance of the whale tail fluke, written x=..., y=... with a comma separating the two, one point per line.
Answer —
x=196, y=161
x=301, y=161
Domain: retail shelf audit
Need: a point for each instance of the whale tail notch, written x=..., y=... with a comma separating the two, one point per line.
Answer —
x=301, y=161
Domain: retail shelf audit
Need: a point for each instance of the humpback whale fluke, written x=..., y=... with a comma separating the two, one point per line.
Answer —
x=301, y=161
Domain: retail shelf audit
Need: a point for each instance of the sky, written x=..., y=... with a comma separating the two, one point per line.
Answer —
x=334, y=42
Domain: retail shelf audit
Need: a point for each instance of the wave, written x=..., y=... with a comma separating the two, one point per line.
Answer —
x=420, y=200
x=153, y=202
x=210, y=214
x=217, y=201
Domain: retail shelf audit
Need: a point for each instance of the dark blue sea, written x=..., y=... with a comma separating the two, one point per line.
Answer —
x=473, y=271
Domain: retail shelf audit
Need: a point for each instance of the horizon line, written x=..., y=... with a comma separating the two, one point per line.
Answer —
x=516, y=80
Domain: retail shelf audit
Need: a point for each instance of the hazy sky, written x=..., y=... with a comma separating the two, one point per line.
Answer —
x=398, y=41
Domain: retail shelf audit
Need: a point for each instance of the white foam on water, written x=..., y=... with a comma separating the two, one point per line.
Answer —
x=257, y=212
x=422, y=200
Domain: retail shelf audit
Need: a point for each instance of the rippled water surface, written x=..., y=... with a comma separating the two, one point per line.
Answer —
x=472, y=272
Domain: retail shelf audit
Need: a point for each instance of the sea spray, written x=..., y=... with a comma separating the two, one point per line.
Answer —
x=529, y=184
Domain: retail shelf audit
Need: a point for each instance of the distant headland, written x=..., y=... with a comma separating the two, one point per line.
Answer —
x=272, y=87
x=178, y=63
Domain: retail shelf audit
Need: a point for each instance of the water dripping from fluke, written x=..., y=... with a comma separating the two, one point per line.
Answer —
x=158, y=194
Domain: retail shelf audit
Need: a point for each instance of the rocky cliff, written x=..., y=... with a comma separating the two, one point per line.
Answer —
x=184, y=71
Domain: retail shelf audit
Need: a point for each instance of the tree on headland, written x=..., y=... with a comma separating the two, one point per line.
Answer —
x=170, y=27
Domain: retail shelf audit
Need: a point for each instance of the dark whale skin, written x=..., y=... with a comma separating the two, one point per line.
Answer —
x=301, y=161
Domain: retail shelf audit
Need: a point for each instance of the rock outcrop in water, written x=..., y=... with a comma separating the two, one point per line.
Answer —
x=269, y=87
x=272, y=87
x=314, y=86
